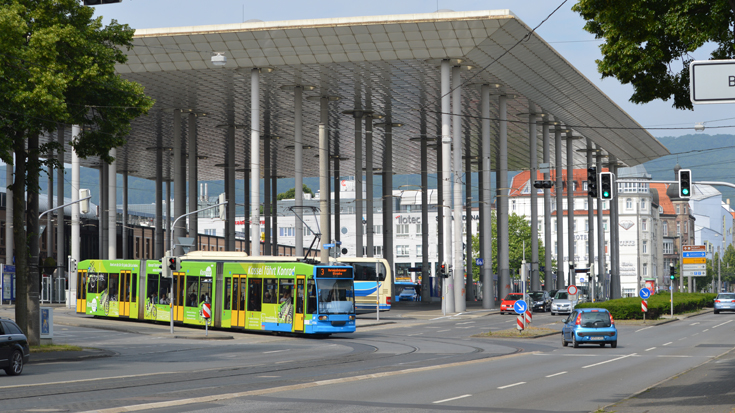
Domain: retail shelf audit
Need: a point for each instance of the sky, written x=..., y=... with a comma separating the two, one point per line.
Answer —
x=563, y=31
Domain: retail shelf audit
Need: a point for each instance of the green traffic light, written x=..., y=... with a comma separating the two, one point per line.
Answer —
x=685, y=191
x=605, y=194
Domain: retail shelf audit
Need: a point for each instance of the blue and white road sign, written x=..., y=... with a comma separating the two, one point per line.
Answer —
x=644, y=293
x=694, y=254
x=479, y=262
x=520, y=307
x=328, y=245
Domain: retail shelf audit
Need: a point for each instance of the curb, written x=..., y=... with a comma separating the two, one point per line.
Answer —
x=65, y=356
x=206, y=337
x=522, y=338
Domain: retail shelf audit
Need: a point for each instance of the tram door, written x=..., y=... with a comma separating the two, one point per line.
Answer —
x=179, y=289
x=124, y=293
x=239, y=287
x=298, y=319
x=81, y=291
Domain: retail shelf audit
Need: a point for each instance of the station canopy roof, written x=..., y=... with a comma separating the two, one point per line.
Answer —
x=389, y=65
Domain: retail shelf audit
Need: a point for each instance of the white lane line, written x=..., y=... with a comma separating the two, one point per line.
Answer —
x=667, y=343
x=284, y=361
x=465, y=327
x=694, y=334
x=453, y=398
x=441, y=331
x=672, y=356
x=417, y=334
x=694, y=324
x=432, y=327
x=609, y=361
x=268, y=376
x=683, y=338
x=557, y=374
x=511, y=385
x=466, y=322
x=275, y=351
x=722, y=324
x=644, y=328
x=705, y=330
x=650, y=349
x=510, y=321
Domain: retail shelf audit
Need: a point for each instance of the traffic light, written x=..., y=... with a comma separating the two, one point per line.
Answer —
x=672, y=273
x=685, y=183
x=607, y=182
x=542, y=184
x=592, y=182
x=84, y=205
x=165, y=273
x=443, y=273
x=173, y=264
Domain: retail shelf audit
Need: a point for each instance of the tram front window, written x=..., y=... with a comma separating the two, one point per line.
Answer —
x=336, y=296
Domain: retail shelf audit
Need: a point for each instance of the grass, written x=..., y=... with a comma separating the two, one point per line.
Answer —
x=46, y=348
x=529, y=332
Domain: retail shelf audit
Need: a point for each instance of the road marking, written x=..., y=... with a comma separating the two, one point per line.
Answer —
x=441, y=331
x=285, y=361
x=722, y=324
x=650, y=348
x=668, y=343
x=510, y=321
x=557, y=374
x=269, y=376
x=671, y=356
x=581, y=355
x=609, y=361
x=417, y=334
x=465, y=327
x=683, y=338
x=694, y=324
x=275, y=351
x=705, y=330
x=466, y=322
x=644, y=328
x=453, y=398
x=694, y=334
x=511, y=385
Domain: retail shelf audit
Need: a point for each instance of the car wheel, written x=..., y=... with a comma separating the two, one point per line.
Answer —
x=602, y=344
x=553, y=313
x=614, y=344
x=563, y=342
x=717, y=311
x=575, y=344
x=16, y=364
x=502, y=313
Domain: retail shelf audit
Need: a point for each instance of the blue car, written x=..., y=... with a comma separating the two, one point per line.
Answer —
x=589, y=326
x=724, y=302
x=408, y=294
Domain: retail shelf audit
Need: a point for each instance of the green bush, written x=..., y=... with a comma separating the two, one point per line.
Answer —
x=658, y=304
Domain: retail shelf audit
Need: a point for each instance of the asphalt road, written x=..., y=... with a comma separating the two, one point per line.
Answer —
x=419, y=361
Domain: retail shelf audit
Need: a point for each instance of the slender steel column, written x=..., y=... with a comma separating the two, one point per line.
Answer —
x=124, y=226
x=369, y=222
x=358, y=187
x=533, y=176
x=179, y=200
x=230, y=196
x=560, y=270
x=570, y=209
x=274, y=204
x=446, y=176
x=459, y=283
x=60, y=250
x=425, y=270
x=547, y=211
x=503, y=192
x=601, y=264
x=591, y=227
x=50, y=216
x=255, y=162
x=247, y=213
x=104, y=210
x=75, y=224
x=9, y=252
x=193, y=199
x=324, y=119
x=388, y=238
x=440, y=210
x=159, y=251
x=468, y=259
x=267, y=211
x=298, y=170
x=323, y=189
x=488, y=300
x=112, y=207
x=615, y=291
x=168, y=212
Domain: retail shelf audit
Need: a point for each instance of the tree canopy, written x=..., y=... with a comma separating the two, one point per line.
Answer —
x=291, y=193
x=649, y=44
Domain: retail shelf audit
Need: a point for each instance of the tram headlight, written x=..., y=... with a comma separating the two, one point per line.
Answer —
x=352, y=317
x=323, y=318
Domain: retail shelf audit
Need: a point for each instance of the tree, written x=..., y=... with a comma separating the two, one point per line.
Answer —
x=519, y=230
x=57, y=66
x=291, y=193
x=648, y=44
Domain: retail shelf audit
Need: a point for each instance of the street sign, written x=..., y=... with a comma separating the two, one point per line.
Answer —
x=520, y=307
x=479, y=262
x=581, y=279
x=328, y=245
x=414, y=269
x=712, y=81
x=695, y=266
x=694, y=261
x=644, y=293
x=694, y=248
x=572, y=290
x=694, y=255
x=688, y=273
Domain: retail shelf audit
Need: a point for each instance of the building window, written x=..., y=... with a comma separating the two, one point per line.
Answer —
x=645, y=247
x=665, y=226
x=513, y=205
x=643, y=204
x=644, y=225
x=678, y=209
x=586, y=204
x=678, y=229
x=402, y=251
x=574, y=224
x=668, y=247
x=685, y=209
x=402, y=230
x=419, y=251
x=628, y=203
x=604, y=224
x=418, y=229
x=604, y=204
x=378, y=251
x=686, y=227
x=645, y=270
x=660, y=210
x=586, y=224
x=553, y=225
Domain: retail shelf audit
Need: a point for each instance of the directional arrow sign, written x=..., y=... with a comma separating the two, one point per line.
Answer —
x=520, y=307
x=644, y=293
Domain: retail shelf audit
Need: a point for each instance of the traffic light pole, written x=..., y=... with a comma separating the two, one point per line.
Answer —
x=171, y=238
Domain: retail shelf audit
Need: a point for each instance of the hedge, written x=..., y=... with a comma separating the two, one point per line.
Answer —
x=658, y=304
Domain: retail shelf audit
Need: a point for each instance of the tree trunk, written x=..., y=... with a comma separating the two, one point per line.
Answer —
x=19, y=234
x=34, y=279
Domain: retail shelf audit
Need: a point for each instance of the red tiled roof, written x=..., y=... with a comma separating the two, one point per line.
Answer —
x=663, y=199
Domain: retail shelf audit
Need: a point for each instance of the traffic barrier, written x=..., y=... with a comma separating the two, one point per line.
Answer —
x=520, y=325
x=644, y=306
x=529, y=317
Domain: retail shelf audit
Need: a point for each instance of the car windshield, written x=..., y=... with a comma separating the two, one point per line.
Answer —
x=336, y=296
x=595, y=319
x=513, y=297
x=408, y=290
x=537, y=296
x=561, y=295
x=726, y=297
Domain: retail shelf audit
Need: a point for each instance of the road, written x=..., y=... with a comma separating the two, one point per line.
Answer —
x=415, y=363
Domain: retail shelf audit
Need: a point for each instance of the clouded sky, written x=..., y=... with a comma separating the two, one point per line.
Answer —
x=563, y=31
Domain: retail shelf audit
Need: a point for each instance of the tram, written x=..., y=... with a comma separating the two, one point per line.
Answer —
x=373, y=279
x=245, y=293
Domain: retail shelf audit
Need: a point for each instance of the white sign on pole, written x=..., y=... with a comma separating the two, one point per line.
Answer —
x=687, y=273
x=712, y=81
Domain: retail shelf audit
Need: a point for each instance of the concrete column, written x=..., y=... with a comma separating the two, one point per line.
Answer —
x=159, y=251
x=323, y=189
x=9, y=252
x=112, y=207
x=441, y=211
x=570, y=208
x=104, y=206
x=547, y=213
x=601, y=264
x=75, y=222
x=369, y=223
x=324, y=119
x=191, y=147
x=125, y=250
x=457, y=184
x=50, y=216
x=615, y=291
x=559, y=188
x=298, y=171
x=337, y=214
x=60, y=252
x=388, y=237
x=468, y=261
x=448, y=291
x=274, y=203
x=247, y=214
x=230, y=190
x=503, y=248
x=255, y=162
x=425, y=270
x=533, y=161
x=179, y=185
x=591, y=226
x=488, y=301
x=358, y=187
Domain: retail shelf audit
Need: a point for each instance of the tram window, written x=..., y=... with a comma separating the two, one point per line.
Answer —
x=205, y=290
x=243, y=286
x=192, y=291
x=285, y=290
x=133, y=288
x=114, y=286
x=228, y=293
x=366, y=271
x=311, y=301
x=164, y=291
x=271, y=291
x=152, y=290
x=254, y=294
x=101, y=282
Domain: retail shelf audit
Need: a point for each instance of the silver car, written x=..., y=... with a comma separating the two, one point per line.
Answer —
x=724, y=302
x=562, y=303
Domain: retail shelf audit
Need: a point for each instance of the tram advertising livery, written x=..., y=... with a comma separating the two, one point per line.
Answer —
x=244, y=293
